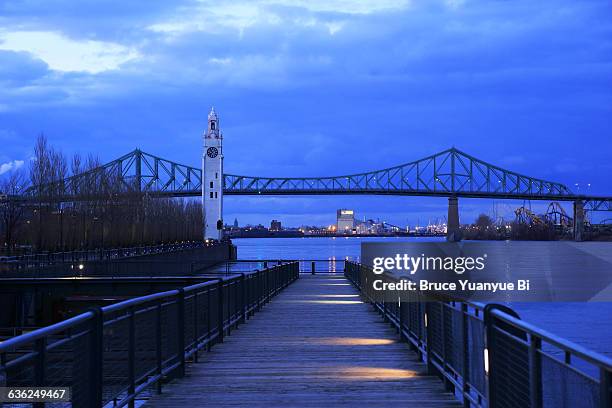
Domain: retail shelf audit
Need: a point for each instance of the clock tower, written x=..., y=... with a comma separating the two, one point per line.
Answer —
x=212, y=179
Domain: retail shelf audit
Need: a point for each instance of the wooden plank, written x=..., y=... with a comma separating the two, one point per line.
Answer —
x=316, y=344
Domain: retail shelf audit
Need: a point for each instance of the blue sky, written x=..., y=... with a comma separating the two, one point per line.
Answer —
x=316, y=88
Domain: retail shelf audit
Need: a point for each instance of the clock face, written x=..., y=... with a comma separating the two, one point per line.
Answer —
x=212, y=152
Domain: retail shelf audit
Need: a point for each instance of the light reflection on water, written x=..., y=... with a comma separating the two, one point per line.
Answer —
x=311, y=248
x=588, y=324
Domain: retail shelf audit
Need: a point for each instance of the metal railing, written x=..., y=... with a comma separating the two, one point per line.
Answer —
x=107, y=262
x=102, y=254
x=115, y=353
x=312, y=266
x=322, y=266
x=486, y=355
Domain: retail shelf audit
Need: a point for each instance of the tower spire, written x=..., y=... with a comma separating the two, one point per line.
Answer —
x=213, y=125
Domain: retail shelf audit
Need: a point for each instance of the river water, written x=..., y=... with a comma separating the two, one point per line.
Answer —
x=588, y=324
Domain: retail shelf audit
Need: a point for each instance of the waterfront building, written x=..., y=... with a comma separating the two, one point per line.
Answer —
x=345, y=221
x=275, y=225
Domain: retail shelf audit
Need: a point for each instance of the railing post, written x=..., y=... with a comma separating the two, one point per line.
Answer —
x=384, y=309
x=208, y=319
x=312, y=267
x=131, y=357
x=266, y=275
x=220, y=324
x=489, y=367
x=195, y=327
x=445, y=332
x=40, y=366
x=228, y=295
x=400, y=319
x=243, y=281
x=605, y=382
x=257, y=290
x=535, y=372
x=158, y=345
x=180, y=349
x=428, y=336
x=465, y=352
x=96, y=355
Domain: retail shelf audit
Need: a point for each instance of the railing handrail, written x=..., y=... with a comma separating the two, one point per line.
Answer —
x=183, y=321
x=57, y=254
x=138, y=301
x=502, y=342
x=565, y=344
x=60, y=326
x=44, y=331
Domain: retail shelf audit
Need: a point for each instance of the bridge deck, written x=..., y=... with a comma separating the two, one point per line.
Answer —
x=314, y=345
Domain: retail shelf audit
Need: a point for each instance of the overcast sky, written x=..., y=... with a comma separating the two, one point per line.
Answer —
x=316, y=87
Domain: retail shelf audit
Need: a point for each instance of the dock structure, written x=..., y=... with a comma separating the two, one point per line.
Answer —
x=304, y=334
x=317, y=344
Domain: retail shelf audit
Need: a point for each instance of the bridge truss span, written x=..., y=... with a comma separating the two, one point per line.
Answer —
x=448, y=173
x=135, y=172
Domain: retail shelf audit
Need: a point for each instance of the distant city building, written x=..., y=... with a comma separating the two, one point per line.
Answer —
x=235, y=222
x=275, y=225
x=345, y=221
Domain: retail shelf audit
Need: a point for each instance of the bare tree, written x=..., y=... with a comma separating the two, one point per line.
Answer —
x=104, y=209
x=11, y=208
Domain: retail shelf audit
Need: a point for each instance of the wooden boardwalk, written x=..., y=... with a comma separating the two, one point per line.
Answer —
x=315, y=345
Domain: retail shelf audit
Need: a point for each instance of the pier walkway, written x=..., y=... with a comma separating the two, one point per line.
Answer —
x=284, y=338
x=316, y=344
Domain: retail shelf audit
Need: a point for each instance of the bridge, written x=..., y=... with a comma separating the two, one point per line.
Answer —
x=450, y=173
x=277, y=337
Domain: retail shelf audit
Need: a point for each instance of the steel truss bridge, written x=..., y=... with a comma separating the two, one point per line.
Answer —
x=450, y=173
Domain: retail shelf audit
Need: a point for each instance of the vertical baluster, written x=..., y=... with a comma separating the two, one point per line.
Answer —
x=131, y=357
x=208, y=319
x=535, y=371
x=195, y=327
x=96, y=356
x=220, y=324
x=180, y=349
x=158, y=344
x=40, y=366
x=465, y=374
x=605, y=382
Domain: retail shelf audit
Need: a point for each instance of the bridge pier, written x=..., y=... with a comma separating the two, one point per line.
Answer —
x=453, y=231
x=578, y=220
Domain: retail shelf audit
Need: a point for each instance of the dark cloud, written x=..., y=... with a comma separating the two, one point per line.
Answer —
x=19, y=68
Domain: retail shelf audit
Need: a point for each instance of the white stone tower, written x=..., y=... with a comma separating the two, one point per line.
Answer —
x=212, y=179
